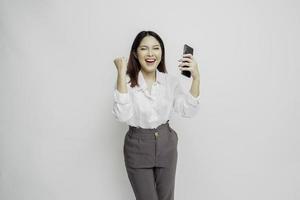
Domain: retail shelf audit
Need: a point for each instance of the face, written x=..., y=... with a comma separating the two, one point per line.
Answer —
x=149, y=53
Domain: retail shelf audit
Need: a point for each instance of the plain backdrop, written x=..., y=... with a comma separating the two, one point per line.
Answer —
x=60, y=141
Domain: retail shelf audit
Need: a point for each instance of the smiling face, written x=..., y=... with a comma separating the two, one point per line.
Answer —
x=149, y=54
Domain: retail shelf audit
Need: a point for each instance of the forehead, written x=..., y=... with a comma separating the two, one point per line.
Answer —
x=149, y=40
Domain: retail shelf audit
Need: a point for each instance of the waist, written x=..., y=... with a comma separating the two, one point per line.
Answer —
x=149, y=130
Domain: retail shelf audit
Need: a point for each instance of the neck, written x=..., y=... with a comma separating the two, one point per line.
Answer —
x=149, y=76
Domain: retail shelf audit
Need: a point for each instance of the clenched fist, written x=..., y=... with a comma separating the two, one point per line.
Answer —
x=121, y=64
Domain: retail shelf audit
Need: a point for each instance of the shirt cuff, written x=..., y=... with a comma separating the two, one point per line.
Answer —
x=122, y=98
x=193, y=100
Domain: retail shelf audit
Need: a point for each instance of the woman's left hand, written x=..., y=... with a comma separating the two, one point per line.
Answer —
x=191, y=65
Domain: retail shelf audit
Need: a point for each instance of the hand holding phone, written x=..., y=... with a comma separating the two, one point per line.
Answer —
x=187, y=50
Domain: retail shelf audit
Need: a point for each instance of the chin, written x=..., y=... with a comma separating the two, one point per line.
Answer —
x=149, y=68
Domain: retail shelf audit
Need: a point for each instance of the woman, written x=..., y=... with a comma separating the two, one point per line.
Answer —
x=145, y=97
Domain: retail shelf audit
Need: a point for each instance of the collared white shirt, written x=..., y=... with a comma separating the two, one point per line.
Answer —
x=140, y=107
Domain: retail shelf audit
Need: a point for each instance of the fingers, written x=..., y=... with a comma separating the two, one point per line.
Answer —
x=120, y=62
x=187, y=62
x=186, y=68
x=120, y=58
x=185, y=59
x=185, y=65
x=187, y=55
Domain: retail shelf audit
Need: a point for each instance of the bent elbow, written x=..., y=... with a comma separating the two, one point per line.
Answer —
x=122, y=116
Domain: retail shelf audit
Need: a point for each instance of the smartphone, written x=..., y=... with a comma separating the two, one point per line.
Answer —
x=186, y=50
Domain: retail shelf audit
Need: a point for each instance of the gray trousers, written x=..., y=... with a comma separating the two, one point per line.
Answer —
x=150, y=157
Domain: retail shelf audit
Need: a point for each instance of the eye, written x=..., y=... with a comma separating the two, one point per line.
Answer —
x=156, y=48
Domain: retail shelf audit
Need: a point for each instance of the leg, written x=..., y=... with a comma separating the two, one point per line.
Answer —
x=165, y=182
x=142, y=182
x=165, y=174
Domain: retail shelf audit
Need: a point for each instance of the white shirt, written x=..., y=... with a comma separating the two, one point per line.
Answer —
x=141, y=108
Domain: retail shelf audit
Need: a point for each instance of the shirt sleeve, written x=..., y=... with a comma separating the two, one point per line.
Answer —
x=185, y=104
x=122, y=106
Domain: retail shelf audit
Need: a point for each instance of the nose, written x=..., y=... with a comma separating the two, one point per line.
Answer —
x=150, y=53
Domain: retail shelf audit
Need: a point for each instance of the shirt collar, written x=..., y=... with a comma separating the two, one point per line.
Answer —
x=160, y=78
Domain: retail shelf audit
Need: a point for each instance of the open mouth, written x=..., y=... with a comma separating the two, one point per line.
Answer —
x=150, y=61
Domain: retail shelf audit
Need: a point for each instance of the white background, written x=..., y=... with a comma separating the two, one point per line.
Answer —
x=58, y=137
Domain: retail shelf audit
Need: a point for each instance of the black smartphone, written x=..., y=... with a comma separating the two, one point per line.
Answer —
x=186, y=50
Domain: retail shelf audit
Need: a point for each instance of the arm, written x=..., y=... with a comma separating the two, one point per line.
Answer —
x=185, y=103
x=122, y=105
x=195, y=91
x=121, y=82
x=192, y=66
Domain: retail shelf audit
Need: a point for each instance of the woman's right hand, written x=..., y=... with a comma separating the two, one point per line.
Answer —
x=121, y=64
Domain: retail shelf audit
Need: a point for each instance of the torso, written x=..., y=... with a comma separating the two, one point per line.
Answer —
x=149, y=86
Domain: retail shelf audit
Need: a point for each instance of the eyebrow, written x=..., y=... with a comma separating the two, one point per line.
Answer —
x=147, y=46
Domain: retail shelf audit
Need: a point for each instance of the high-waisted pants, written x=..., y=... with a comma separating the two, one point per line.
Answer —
x=150, y=157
